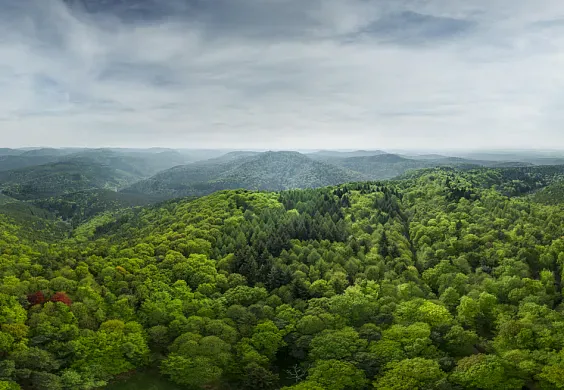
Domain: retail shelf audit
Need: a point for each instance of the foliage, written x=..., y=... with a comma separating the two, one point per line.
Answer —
x=443, y=279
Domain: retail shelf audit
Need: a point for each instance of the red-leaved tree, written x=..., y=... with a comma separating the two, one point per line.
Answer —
x=37, y=298
x=61, y=297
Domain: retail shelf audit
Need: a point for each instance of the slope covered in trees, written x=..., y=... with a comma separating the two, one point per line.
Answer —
x=78, y=207
x=552, y=194
x=250, y=170
x=445, y=279
x=387, y=166
x=62, y=177
x=140, y=163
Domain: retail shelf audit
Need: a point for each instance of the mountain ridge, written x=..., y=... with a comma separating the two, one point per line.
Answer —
x=263, y=171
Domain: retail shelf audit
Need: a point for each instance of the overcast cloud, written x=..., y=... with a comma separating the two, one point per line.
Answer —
x=282, y=73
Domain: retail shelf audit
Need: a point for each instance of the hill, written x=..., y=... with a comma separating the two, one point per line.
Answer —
x=323, y=154
x=388, y=165
x=50, y=172
x=4, y=199
x=62, y=177
x=263, y=171
x=50, y=152
x=383, y=166
x=443, y=279
x=139, y=163
x=33, y=222
x=552, y=194
x=10, y=162
x=535, y=157
x=10, y=152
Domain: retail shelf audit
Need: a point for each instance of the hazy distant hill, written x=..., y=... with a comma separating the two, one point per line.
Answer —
x=384, y=166
x=10, y=152
x=62, y=177
x=387, y=165
x=51, y=152
x=140, y=163
x=46, y=172
x=537, y=157
x=262, y=171
x=231, y=156
x=9, y=162
x=322, y=154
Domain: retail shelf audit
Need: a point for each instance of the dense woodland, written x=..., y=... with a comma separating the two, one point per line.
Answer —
x=441, y=279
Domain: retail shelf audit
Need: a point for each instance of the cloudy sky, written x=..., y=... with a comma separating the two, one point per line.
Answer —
x=282, y=73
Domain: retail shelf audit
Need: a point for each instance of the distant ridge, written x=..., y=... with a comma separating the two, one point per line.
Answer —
x=260, y=171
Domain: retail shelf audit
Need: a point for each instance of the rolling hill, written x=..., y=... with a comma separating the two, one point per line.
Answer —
x=51, y=152
x=36, y=223
x=388, y=165
x=323, y=154
x=42, y=173
x=10, y=152
x=552, y=194
x=9, y=162
x=62, y=177
x=140, y=163
x=250, y=170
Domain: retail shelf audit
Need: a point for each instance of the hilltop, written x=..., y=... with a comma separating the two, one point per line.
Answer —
x=258, y=171
x=60, y=178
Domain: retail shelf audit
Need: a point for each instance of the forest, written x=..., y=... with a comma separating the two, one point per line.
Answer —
x=440, y=279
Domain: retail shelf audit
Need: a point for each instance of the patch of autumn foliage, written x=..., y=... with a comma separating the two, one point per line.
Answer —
x=61, y=297
x=36, y=298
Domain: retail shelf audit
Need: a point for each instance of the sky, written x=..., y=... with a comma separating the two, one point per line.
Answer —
x=366, y=74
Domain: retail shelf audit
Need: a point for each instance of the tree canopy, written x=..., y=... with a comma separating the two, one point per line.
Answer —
x=442, y=279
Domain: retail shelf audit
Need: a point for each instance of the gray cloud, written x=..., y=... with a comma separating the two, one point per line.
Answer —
x=281, y=73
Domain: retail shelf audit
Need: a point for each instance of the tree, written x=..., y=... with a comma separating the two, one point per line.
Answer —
x=11, y=311
x=267, y=339
x=46, y=381
x=486, y=372
x=552, y=374
x=115, y=348
x=306, y=385
x=258, y=377
x=296, y=373
x=196, y=372
x=416, y=373
x=460, y=342
x=420, y=310
x=61, y=297
x=36, y=298
x=340, y=344
x=336, y=375
x=479, y=314
x=8, y=385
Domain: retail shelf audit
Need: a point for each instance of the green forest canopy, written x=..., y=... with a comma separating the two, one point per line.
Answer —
x=443, y=279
